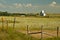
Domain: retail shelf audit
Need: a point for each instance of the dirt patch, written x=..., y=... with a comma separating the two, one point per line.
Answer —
x=46, y=33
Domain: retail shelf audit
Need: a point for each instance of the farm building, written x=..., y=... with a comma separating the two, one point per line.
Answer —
x=42, y=13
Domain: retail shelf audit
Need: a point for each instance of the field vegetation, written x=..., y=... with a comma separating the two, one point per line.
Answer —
x=49, y=23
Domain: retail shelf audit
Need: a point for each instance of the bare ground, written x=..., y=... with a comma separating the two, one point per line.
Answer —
x=46, y=33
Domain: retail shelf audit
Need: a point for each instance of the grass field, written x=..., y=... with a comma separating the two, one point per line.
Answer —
x=34, y=23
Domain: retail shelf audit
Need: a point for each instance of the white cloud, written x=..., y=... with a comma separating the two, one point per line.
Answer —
x=23, y=5
x=17, y=5
x=53, y=4
x=28, y=5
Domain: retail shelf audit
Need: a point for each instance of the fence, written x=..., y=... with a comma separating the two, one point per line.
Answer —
x=41, y=32
x=6, y=21
x=27, y=29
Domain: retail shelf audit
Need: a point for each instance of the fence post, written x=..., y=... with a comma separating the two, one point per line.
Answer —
x=2, y=24
x=42, y=32
x=57, y=32
x=14, y=23
x=27, y=30
x=7, y=25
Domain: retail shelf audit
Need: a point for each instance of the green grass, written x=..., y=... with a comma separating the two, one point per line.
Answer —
x=14, y=35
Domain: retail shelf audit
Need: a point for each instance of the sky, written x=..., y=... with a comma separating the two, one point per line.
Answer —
x=30, y=6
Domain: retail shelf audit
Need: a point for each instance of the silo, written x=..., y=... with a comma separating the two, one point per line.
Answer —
x=42, y=13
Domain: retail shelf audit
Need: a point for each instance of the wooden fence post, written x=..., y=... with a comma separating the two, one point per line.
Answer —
x=14, y=23
x=2, y=24
x=27, y=30
x=57, y=32
x=7, y=25
x=42, y=32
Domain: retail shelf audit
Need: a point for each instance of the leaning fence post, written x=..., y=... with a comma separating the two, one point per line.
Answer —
x=42, y=32
x=57, y=32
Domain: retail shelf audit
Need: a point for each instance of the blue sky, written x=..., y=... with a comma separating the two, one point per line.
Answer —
x=50, y=6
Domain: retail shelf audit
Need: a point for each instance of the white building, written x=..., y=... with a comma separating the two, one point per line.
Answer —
x=42, y=13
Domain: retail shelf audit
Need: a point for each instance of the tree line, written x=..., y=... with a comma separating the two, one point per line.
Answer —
x=30, y=14
x=16, y=14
